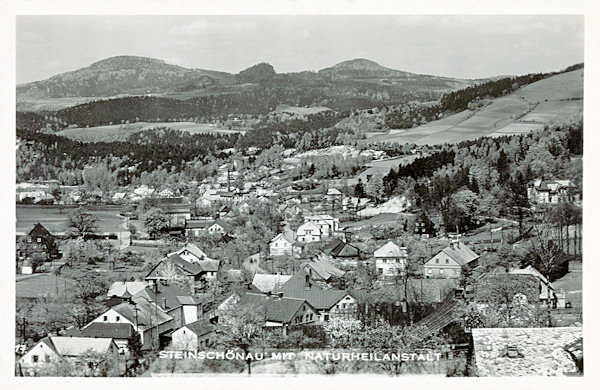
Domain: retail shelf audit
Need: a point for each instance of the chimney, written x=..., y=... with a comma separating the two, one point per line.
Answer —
x=164, y=302
x=307, y=282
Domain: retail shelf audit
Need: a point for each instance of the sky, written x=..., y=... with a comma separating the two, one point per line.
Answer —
x=456, y=46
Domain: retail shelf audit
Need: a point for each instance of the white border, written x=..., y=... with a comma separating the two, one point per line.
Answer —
x=10, y=8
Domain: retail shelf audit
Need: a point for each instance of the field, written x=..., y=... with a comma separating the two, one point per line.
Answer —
x=120, y=132
x=40, y=285
x=521, y=112
x=55, y=218
x=302, y=110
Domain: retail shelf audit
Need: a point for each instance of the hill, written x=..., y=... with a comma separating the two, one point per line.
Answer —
x=522, y=111
x=344, y=85
x=121, y=75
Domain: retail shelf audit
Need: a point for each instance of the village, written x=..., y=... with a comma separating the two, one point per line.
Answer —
x=333, y=263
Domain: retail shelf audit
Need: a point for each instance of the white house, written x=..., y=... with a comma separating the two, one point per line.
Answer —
x=55, y=348
x=328, y=226
x=553, y=191
x=309, y=232
x=390, y=259
x=282, y=244
x=193, y=336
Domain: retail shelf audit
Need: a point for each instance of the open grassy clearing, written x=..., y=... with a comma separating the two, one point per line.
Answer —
x=121, y=131
x=54, y=218
x=539, y=102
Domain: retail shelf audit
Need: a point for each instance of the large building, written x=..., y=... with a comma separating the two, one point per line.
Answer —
x=553, y=191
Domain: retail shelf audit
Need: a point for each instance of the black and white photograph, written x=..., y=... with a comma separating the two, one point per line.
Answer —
x=257, y=195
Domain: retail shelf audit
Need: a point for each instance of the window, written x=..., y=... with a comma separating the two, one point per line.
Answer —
x=34, y=358
x=437, y=261
x=429, y=271
x=47, y=358
x=39, y=240
x=447, y=261
x=455, y=272
x=118, y=318
x=326, y=317
x=105, y=318
x=441, y=272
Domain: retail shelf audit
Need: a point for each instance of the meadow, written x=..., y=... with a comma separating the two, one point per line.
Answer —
x=121, y=131
x=523, y=111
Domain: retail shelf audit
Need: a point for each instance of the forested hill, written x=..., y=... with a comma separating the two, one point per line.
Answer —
x=134, y=76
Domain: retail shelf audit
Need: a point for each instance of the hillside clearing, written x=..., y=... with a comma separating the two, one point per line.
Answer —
x=521, y=112
x=118, y=132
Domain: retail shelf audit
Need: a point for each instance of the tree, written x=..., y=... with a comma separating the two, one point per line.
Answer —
x=81, y=223
x=241, y=327
x=155, y=221
x=359, y=190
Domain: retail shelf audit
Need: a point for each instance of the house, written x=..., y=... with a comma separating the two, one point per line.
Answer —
x=424, y=227
x=278, y=311
x=390, y=260
x=175, y=266
x=41, y=236
x=308, y=232
x=148, y=319
x=282, y=244
x=553, y=191
x=450, y=260
x=196, y=227
x=269, y=283
x=328, y=226
x=193, y=336
x=547, y=293
x=327, y=302
x=119, y=196
x=125, y=289
x=340, y=250
x=121, y=333
x=177, y=210
x=174, y=301
x=321, y=269
x=527, y=351
x=52, y=349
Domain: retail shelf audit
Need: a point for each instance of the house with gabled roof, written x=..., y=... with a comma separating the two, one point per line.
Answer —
x=196, y=227
x=282, y=244
x=173, y=300
x=553, y=191
x=450, y=260
x=321, y=269
x=309, y=232
x=340, y=250
x=278, y=311
x=53, y=349
x=193, y=336
x=175, y=266
x=327, y=302
x=121, y=333
x=147, y=318
x=390, y=260
x=268, y=282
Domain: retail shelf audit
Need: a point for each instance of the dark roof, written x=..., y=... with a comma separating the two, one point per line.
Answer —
x=187, y=267
x=319, y=298
x=104, y=329
x=200, y=327
x=39, y=230
x=323, y=268
x=175, y=296
x=276, y=309
x=147, y=313
x=448, y=312
x=199, y=223
x=336, y=246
